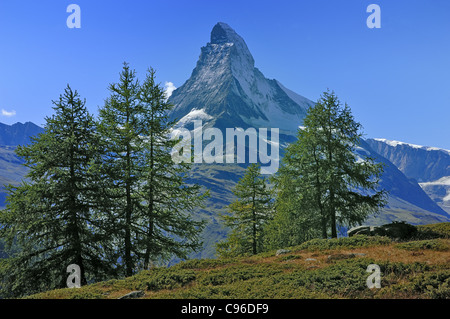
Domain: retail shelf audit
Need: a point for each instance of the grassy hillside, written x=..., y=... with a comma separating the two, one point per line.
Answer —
x=334, y=268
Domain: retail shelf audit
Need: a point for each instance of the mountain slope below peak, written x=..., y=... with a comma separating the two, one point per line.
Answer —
x=430, y=166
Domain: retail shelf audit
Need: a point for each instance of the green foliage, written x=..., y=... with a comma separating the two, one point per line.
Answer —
x=204, y=263
x=435, y=285
x=287, y=276
x=249, y=214
x=288, y=257
x=428, y=244
x=150, y=201
x=104, y=195
x=168, y=201
x=51, y=217
x=321, y=182
x=237, y=273
x=343, y=243
x=439, y=230
x=345, y=277
x=159, y=278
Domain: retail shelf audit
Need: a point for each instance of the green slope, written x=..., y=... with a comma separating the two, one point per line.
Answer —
x=334, y=268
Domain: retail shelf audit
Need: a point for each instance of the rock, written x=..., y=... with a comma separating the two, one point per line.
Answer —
x=360, y=230
x=282, y=252
x=133, y=295
x=400, y=230
x=377, y=231
x=395, y=230
x=310, y=259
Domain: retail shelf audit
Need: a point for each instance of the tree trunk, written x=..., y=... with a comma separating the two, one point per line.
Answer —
x=150, y=199
x=332, y=215
x=128, y=212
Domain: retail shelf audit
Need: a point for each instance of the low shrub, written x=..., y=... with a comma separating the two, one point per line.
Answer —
x=204, y=263
x=343, y=242
x=288, y=257
x=429, y=244
x=240, y=273
x=435, y=285
x=157, y=279
x=431, y=231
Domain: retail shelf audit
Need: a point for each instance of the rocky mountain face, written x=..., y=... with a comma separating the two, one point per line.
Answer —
x=227, y=90
x=429, y=166
x=11, y=169
x=423, y=163
x=18, y=134
x=407, y=200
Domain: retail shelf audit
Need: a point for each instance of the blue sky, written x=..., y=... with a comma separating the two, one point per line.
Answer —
x=396, y=79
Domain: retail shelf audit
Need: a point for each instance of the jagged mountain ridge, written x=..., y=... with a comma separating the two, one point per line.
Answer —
x=430, y=166
x=18, y=133
x=403, y=189
x=423, y=163
x=227, y=90
x=11, y=169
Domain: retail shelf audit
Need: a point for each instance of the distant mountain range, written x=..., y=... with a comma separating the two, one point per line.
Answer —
x=225, y=90
x=11, y=169
x=18, y=134
x=429, y=166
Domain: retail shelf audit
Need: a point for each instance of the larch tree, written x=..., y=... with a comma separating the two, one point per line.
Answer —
x=166, y=226
x=323, y=183
x=51, y=217
x=248, y=214
x=120, y=132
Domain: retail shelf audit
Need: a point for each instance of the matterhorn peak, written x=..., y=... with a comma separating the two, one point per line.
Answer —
x=227, y=90
x=222, y=33
x=224, y=36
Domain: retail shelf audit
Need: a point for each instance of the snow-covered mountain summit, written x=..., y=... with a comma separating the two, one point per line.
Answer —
x=421, y=147
x=423, y=163
x=227, y=90
x=430, y=166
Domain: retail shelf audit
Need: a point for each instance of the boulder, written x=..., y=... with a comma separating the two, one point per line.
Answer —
x=359, y=230
x=282, y=252
x=400, y=230
x=395, y=230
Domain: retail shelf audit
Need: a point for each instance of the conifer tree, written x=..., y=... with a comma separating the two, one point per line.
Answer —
x=322, y=183
x=165, y=226
x=51, y=216
x=119, y=128
x=249, y=213
x=149, y=199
